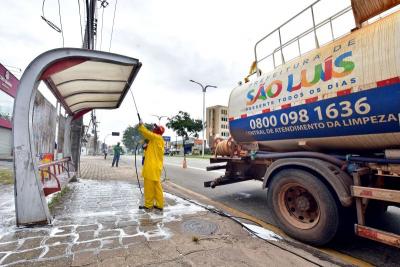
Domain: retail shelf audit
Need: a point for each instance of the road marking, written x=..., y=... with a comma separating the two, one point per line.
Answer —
x=194, y=168
x=344, y=257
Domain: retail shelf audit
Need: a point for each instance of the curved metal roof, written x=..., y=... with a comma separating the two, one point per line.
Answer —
x=82, y=84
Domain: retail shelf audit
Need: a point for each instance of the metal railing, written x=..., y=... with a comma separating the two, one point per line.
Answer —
x=297, y=38
x=52, y=170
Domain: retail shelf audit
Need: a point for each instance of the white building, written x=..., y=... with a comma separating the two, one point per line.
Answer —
x=217, y=123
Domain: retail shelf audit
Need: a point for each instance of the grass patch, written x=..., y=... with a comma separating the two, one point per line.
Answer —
x=6, y=177
x=58, y=197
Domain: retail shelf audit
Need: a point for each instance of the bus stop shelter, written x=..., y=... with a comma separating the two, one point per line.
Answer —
x=81, y=80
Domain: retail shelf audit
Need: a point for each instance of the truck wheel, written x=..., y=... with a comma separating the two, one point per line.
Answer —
x=303, y=206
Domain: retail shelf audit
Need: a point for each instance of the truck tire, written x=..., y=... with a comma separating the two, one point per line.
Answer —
x=303, y=206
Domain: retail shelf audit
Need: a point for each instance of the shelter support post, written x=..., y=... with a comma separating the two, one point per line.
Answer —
x=67, y=137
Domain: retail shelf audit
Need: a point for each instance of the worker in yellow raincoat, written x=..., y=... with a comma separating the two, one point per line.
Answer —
x=153, y=192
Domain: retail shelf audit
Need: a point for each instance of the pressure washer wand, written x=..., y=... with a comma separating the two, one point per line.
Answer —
x=137, y=111
x=137, y=175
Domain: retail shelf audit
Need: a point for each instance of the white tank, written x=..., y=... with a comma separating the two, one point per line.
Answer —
x=342, y=96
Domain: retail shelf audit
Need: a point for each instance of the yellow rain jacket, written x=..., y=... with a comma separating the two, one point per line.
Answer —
x=153, y=162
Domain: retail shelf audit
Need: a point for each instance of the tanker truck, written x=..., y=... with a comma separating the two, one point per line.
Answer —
x=322, y=130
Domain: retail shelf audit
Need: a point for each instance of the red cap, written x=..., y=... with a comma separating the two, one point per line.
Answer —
x=159, y=129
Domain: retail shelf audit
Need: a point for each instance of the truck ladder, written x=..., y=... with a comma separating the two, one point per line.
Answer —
x=362, y=192
x=277, y=33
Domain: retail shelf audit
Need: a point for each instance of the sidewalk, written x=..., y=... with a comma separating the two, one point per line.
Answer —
x=97, y=223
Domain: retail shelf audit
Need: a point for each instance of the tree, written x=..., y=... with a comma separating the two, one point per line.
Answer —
x=131, y=136
x=184, y=126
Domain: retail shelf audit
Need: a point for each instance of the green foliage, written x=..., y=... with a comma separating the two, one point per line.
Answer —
x=58, y=197
x=184, y=125
x=6, y=177
x=131, y=136
x=128, y=137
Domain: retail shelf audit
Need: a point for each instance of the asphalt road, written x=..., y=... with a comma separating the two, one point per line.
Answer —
x=249, y=198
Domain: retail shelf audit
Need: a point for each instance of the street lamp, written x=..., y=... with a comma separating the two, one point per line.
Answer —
x=204, y=88
x=159, y=118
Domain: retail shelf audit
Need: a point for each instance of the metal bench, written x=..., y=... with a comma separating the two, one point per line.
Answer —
x=55, y=174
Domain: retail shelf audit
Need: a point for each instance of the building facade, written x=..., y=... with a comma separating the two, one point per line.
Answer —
x=45, y=118
x=217, y=123
x=8, y=91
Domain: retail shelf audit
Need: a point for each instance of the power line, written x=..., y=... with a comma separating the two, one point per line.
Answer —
x=103, y=5
x=51, y=24
x=101, y=31
x=59, y=14
x=80, y=19
x=112, y=28
x=95, y=31
x=87, y=27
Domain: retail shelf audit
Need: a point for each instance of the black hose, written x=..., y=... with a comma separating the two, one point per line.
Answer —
x=368, y=159
x=316, y=155
x=137, y=175
x=165, y=174
x=236, y=219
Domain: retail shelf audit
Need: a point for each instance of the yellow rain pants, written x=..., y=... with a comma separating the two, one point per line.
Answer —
x=153, y=163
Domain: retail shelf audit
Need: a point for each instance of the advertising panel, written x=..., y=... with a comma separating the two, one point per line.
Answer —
x=349, y=87
x=8, y=91
x=8, y=82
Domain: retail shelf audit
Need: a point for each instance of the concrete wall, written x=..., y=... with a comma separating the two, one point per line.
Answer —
x=44, y=125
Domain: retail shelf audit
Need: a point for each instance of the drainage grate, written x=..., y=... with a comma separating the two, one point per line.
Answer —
x=200, y=227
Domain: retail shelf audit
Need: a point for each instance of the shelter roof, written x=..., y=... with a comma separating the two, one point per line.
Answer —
x=82, y=84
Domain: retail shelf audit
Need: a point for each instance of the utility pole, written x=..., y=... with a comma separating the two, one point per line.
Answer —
x=88, y=43
x=95, y=137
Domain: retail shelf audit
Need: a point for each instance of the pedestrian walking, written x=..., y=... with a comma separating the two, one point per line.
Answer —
x=153, y=192
x=104, y=149
x=117, y=154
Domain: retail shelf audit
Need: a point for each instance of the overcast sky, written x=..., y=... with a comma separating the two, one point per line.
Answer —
x=210, y=41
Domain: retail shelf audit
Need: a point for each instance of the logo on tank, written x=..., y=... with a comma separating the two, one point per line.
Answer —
x=333, y=72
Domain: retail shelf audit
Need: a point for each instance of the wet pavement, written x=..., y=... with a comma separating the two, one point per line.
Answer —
x=97, y=223
x=7, y=214
x=93, y=216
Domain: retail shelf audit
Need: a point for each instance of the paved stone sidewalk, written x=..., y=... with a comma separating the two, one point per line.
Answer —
x=96, y=167
x=97, y=223
x=94, y=216
x=7, y=214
